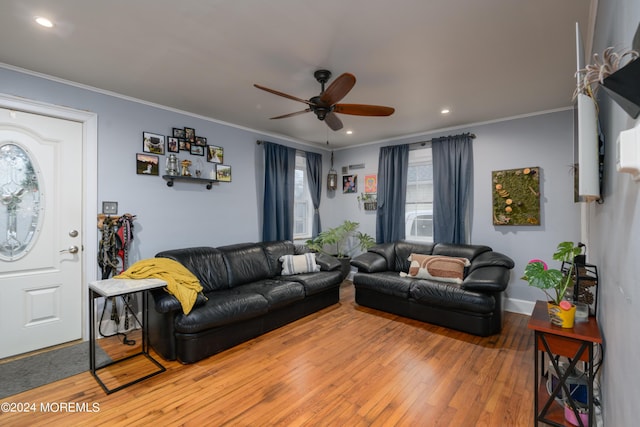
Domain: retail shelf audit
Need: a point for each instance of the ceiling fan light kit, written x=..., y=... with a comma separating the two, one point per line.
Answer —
x=325, y=105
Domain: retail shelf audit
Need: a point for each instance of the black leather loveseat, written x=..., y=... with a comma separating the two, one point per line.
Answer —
x=472, y=305
x=246, y=296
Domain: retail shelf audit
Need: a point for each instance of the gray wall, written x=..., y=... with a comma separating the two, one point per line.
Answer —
x=186, y=214
x=544, y=140
x=615, y=227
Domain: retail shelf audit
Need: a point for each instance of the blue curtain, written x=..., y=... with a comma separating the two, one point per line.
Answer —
x=452, y=188
x=279, y=180
x=393, y=164
x=314, y=177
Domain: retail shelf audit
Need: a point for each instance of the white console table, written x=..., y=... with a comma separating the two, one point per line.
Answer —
x=121, y=287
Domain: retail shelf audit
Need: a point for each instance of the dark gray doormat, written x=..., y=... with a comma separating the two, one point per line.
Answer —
x=44, y=368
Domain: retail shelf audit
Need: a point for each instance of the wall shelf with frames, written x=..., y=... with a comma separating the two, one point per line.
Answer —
x=171, y=178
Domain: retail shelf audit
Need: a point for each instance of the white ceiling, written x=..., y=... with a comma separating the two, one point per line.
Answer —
x=484, y=60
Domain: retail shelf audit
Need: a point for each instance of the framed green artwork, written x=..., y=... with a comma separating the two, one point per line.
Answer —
x=516, y=196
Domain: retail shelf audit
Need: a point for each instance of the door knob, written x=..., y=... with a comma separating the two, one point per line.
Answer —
x=71, y=250
x=73, y=233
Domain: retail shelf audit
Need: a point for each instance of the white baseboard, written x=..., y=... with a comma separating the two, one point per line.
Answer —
x=519, y=306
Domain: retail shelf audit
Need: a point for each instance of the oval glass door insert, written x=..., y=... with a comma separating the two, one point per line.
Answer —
x=20, y=211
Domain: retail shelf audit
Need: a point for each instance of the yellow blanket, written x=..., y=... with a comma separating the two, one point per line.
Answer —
x=181, y=283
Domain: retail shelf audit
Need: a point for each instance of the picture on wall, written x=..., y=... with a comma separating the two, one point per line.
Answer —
x=223, y=173
x=201, y=140
x=152, y=143
x=371, y=183
x=173, y=144
x=184, y=144
x=215, y=154
x=178, y=133
x=147, y=164
x=197, y=150
x=350, y=183
x=516, y=196
x=190, y=135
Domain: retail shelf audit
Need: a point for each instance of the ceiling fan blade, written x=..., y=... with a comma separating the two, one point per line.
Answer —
x=285, y=95
x=333, y=121
x=338, y=89
x=291, y=114
x=363, y=110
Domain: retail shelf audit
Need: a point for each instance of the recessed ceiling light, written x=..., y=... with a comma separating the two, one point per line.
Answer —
x=349, y=132
x=445, y=111
x=44, y=21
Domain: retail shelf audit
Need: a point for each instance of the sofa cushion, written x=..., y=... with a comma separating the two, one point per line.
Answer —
x=451, y=295
x=315, y=283
x=444, y=268
x=274, y=251
x=223, y=307
x=458, y=250
x=204, y=262
x=278, y=293
x=404, y=249
x=297, y=264
x=246, y=263
x=387, y=282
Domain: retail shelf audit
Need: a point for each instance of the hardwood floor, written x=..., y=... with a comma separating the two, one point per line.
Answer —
x=345, y=365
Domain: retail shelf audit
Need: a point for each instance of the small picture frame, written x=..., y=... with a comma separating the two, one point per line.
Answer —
x=201, y=140
x=152, y=143
x=147, y=164
x=349, y=184
x=223, y=173
x=178, y=133
x=371, y=184
x=197, y=150
x=190, y=135
x=215, y=154
x=173, y=144
x=184, y=144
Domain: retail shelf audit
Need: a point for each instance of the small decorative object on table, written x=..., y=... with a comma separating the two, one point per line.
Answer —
x=561, y=312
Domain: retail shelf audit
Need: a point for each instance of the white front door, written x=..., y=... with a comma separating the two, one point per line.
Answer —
x=40, y=231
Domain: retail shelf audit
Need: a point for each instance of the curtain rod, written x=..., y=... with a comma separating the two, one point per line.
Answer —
x=471, y=135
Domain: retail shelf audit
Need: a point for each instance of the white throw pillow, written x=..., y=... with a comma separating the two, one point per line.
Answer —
x=297, y=264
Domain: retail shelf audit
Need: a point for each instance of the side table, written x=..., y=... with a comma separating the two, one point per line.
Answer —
x=121, y=287
x=574, y=343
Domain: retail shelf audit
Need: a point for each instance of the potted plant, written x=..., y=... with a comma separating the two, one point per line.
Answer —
x=369, y=200
x=554, y=283
x=604, y=72
x=338, y=240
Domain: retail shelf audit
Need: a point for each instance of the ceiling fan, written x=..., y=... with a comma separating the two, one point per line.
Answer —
x=325, y=105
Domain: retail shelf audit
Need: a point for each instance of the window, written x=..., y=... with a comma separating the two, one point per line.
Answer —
x=419, y=203
x=303, y=206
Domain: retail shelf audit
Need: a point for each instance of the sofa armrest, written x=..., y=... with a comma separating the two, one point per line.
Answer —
x=164, y=302
x=327, y=262
x=491, y=258
x=370, y=262
x=487, y=279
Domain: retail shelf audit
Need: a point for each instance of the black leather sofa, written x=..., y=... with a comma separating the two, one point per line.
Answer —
x=246, y=296
x=474, y=306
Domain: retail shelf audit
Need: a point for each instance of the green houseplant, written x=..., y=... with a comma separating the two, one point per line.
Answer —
x=554, y=283
x=336, y=241
x=369, y=200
